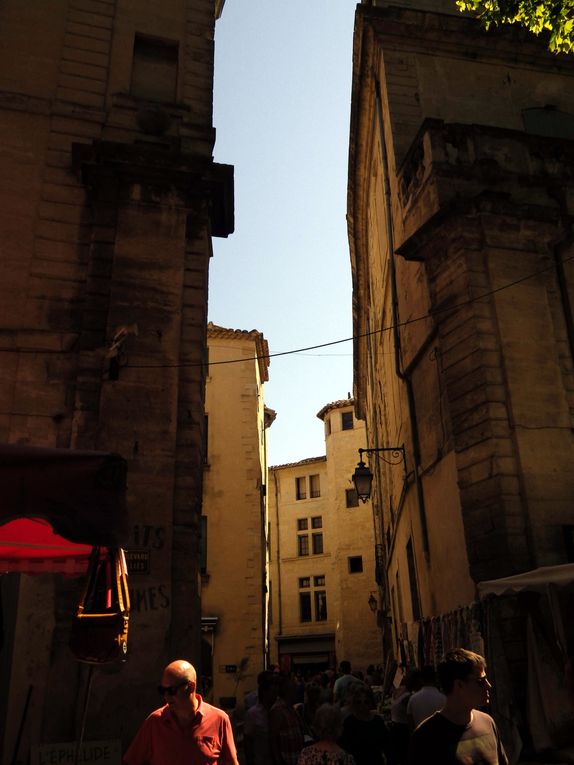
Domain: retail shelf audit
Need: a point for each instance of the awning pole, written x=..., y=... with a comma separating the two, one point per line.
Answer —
x=21, y=728
x=84, y=714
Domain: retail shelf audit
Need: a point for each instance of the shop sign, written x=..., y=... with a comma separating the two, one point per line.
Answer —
x=91, y=753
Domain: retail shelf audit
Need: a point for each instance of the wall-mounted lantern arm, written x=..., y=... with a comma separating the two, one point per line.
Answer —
x=363, y=478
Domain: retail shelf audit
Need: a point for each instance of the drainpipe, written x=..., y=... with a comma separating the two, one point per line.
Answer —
x=558, y=249
x=402, y=375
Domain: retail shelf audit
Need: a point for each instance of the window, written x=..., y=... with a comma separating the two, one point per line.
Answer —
x=355, y=564
x=300, y=488
x=327, y=426
x=205, y=439
x=314, y=488
x=305, y=606
x=415, y=602
x=303, y=538
x=346, y=420
x=317, y=597
x=154, y=69
x=270, y=603
x=351, y=498
x=203, y=545
x=548, y=121
x=320, y=606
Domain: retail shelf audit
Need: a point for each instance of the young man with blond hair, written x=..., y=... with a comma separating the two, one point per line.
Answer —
x=460, y=733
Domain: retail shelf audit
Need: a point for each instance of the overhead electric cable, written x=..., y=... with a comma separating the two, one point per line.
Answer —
x=405, y=323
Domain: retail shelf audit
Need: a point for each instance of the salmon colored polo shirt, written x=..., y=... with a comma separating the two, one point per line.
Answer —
x=206, y=741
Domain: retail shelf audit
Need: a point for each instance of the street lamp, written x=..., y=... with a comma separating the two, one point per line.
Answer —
x=372, y=601
x=363, y=478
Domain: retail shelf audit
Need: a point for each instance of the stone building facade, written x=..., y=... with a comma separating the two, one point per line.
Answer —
x=460, y=229
x=234, y=560
x=322, y=556
x=110, y=197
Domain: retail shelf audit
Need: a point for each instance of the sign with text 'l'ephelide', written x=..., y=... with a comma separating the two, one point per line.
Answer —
x=91, y=753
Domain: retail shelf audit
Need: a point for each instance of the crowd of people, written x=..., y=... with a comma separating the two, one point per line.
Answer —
x=330, y=720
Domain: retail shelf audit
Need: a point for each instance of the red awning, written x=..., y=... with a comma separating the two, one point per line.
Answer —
x=31, y=546
x=55, y=504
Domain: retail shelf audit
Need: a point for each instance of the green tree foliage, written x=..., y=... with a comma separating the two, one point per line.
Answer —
x=555, y=16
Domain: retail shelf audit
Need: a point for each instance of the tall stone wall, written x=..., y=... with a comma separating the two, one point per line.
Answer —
x=109, y=201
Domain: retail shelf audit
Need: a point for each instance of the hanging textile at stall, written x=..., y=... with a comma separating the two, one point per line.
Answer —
x=100, y=627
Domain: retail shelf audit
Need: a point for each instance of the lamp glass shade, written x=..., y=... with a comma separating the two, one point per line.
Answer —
x=363, y=479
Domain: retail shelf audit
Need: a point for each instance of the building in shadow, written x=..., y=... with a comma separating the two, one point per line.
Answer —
x=460, y=213
x=110, y=200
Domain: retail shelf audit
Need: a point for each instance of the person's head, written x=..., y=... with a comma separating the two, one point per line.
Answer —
x=266, y=687
x=312, y=694
x=428, y=675
x=345, y=667
x=287, y=689
x=359, y=699
x=328, y=723
x=178, y=684
x=413, y=680
x=462, y=675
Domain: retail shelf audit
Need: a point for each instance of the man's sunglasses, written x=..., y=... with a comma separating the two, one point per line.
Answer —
x=171, y=690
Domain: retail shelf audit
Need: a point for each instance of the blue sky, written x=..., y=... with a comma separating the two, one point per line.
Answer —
x=281, y=112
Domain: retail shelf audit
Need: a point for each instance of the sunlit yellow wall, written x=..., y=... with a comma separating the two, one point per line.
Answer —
x=234, y=503
x=347, y=532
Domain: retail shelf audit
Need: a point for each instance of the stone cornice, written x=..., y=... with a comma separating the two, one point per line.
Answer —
x=195, y=177
x=261, y=345
x=454, y=170
x=461, y=36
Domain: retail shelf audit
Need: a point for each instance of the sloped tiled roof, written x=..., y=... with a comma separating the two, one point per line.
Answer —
x=261, y=346
x=308, y=461
x=335, y=405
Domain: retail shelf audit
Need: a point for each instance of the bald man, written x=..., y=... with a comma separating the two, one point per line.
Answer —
x=186, y=730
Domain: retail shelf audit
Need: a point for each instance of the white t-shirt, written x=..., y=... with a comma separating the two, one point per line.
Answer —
x=425, y=703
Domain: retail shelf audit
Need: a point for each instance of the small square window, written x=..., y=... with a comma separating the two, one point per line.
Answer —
x=319, y=581
x=300, y=488
x=346, y=420
x=317, y=544
x=304, y=581
x=351, y=498
x=302, y=524
x=355, y=564
x=317, y=522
